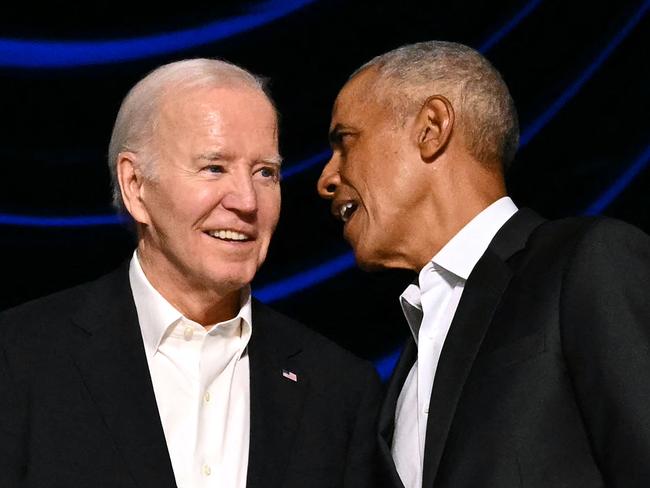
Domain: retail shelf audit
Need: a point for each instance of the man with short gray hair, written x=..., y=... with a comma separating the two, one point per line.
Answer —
x=166, y=372
x=529, y=361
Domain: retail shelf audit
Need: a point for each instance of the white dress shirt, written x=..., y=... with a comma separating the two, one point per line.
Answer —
x=200, y=378
x=429, y=309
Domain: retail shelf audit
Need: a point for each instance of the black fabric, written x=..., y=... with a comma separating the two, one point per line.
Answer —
x=544, y=378
x=77, y=407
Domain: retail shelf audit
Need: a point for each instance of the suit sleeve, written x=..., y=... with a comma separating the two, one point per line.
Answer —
x=605, y=323
x=362, y=458
x=12, y=421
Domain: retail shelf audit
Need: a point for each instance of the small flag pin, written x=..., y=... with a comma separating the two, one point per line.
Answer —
x=290, y=375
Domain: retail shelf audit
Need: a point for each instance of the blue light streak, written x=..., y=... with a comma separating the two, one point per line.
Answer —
x=75, y=221
x=42, y=54
x=623, y=181
x=306, y=164
x=305, y=279
x=494, y=39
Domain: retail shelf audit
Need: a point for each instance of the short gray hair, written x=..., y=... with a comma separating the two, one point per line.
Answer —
x=485, y=111
x=138, y=114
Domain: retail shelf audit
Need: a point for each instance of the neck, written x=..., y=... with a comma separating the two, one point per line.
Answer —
x=202, y=305
x=464, y=195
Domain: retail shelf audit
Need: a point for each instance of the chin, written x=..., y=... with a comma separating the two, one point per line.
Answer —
x=374, y=260
x=231, y=280
x=367, y=262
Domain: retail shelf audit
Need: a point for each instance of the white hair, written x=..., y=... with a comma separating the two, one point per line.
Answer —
x=138, y=114
x=485, y=111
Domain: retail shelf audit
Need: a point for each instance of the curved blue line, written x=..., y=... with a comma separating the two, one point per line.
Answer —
x=306, y=164
x=17, y=53
x=76, y=221
x=288, y=286
x=538, y=124
x=494, y=39
x=623, y=181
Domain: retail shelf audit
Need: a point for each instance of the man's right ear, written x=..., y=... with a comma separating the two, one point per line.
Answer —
x=435, y=123
x=131, y=183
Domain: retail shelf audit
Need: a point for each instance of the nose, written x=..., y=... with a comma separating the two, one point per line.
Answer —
x=329, y=180
x=242, y=197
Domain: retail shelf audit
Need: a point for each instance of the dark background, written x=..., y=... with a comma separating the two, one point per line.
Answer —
x=579, y=73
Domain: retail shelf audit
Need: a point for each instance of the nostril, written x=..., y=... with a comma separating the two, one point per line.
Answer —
x=331, y=188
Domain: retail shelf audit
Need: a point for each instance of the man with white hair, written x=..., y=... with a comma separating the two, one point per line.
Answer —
x=166, y=372
x=529, y=361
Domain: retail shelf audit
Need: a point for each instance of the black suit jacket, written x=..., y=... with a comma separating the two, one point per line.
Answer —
x=77, y=406
x=544, y=378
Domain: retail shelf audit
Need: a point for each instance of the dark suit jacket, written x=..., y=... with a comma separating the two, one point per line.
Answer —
x=544, y=378
x=77, y=407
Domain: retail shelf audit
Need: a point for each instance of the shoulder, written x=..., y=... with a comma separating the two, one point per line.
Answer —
x=596, y=237
x=601, y=228
x=587, y=236
x=44, y=316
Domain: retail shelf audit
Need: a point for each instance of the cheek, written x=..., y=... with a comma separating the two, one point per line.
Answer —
x=269, y=209
x=202, y=196
x=190, y=205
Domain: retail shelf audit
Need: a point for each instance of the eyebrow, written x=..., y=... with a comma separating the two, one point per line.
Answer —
x=216, y=156
x=212, y=156
x=275, y=160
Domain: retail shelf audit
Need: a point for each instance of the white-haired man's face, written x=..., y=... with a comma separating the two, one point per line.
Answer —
x=208, y=214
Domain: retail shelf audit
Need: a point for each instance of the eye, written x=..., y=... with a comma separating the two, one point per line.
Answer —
x=269, y=172
x=341, y=141
x=214, y=169
x=343, y=136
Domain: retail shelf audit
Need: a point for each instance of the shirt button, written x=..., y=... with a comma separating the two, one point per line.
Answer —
x=206, y=397
x=188, y=333
x=206, y=470
x=426, y=410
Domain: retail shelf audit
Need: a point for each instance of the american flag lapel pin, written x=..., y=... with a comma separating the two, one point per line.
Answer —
x=290, y=375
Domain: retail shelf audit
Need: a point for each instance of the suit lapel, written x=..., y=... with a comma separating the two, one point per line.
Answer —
x=481, y=296
x=276, y=401
x=108, y=350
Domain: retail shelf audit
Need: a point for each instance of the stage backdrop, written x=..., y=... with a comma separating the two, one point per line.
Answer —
x=578, y=71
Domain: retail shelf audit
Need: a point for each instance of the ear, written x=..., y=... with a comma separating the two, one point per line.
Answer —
x=434, y=124
x=131, y=183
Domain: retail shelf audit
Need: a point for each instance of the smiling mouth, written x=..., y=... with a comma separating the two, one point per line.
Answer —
x=346, y=210
x=229, y=235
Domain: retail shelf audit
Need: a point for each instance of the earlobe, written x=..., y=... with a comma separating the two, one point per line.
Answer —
x=435, y=123
x=131, y=182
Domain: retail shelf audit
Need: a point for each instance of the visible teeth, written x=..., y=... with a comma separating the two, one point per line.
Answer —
x=230, y=235
x=346, y=211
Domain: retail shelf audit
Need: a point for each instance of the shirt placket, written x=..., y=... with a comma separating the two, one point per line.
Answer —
x=218, y=356
x=430, y=339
